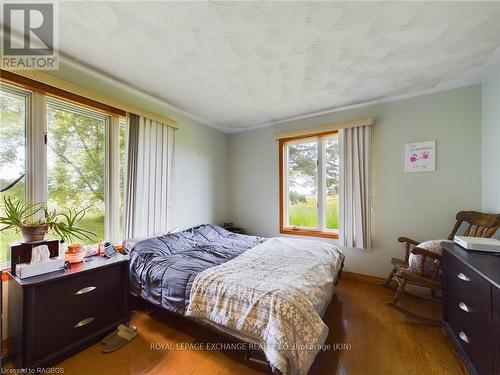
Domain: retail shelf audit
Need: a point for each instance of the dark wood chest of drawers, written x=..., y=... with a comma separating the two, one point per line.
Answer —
x=471, y=310
x=56, y=315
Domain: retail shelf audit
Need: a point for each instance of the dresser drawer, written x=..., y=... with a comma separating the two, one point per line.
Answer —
x=496, y=305
x=478, y=306
x=473, y=347
x=465, y=283
x=78, y=292
x=75, y=325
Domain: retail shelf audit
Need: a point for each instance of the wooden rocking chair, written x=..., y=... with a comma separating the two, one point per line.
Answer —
x=479, y=225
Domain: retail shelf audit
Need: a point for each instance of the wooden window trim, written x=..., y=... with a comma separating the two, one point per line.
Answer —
x=31, y=84
x=309, y=233
x=286, y=230
x=324, y=128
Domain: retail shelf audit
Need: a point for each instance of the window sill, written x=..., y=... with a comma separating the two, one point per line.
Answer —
x=5, y=266
x=310, y=233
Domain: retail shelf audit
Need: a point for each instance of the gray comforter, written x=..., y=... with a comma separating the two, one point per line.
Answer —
x=162, y=269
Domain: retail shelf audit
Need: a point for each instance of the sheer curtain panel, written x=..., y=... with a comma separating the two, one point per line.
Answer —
x=355, y=187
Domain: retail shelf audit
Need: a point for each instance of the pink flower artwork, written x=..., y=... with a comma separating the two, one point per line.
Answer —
x=420, y=156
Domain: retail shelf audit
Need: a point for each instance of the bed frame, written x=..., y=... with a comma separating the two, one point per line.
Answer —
x=255, y=356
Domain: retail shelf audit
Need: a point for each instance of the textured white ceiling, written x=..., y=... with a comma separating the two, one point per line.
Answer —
x=240, y=65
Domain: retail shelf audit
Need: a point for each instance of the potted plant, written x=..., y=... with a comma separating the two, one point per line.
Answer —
x=34, y=221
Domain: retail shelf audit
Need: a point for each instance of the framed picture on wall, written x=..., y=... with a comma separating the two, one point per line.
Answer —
x=420, y=157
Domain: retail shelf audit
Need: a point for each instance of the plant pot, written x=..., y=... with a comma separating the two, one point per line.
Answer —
x=33, y=233
x=75, y=256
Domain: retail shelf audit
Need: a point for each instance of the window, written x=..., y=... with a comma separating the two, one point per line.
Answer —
x=76, y=157
x=309, y=185
x=71, y=156
x=14, y=106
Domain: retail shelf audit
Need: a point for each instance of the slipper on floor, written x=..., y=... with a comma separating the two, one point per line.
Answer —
x=115, y=332
x=122, y=338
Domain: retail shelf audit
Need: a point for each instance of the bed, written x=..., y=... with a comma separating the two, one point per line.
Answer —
x=270, y=292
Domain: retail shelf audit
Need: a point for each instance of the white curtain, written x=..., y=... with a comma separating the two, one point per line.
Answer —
x=355, y=186
x=149, y=191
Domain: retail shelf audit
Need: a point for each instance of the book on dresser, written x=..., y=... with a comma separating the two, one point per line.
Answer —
x=56, y=315
x=471, y=306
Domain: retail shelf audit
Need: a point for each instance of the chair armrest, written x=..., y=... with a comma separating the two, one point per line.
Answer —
x=408, y=241
x=426, y=253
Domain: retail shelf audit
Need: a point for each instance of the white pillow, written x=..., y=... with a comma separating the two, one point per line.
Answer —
x=416, y=262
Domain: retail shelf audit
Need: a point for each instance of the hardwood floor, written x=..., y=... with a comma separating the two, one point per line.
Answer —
x=381, y=341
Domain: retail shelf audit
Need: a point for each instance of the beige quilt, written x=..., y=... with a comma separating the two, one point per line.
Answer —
x=273, y=295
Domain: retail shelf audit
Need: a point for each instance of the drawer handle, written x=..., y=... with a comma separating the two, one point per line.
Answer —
x=85, y=290
x=84, y=322
x=464, y=307
x=461, y=276
x=463, y=336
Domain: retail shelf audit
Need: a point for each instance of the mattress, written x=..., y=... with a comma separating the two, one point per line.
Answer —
x=162, y=269
x=273, y=295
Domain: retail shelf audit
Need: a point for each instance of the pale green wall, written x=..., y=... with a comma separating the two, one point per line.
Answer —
x=491, y=142
x=218, y=177
x=419, y=205
x=200, y=155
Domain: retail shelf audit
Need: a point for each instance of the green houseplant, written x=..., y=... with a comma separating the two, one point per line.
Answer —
x=34, y=221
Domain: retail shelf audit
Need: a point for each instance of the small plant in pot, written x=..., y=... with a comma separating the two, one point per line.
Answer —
x=34, y=221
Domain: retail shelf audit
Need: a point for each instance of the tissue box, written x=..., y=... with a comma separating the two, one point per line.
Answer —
x=28, y=270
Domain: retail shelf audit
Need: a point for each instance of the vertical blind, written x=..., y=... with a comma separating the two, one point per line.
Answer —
x=149, y=192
